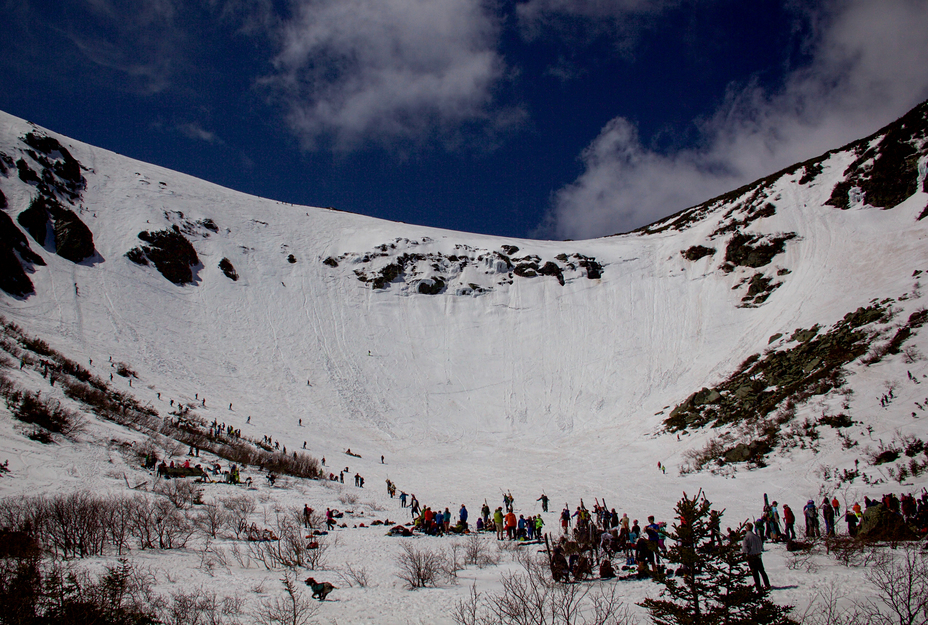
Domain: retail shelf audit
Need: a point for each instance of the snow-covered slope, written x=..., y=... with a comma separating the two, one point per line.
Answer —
x=450, y=353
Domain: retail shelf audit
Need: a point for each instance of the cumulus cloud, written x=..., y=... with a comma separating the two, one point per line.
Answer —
x=869, y=66
x=353, y=70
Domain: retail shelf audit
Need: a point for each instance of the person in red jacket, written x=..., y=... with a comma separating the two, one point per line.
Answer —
x=788, y=519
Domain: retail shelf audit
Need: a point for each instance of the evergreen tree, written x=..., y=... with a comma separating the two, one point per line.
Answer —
x=712, y=587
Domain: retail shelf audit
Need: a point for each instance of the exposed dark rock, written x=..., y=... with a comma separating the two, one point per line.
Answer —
x=696, y=252
x=886, y=173
x=13, y=277
x=73, y=240
x=25, y=172
x=755, y=250
x=170, y=252
x=36, y=220
x=526, y=270
x=813, y=366
x=387, y=275
x=226, y=265
x=432, y=286
x=6, y=163
x=759, y=289
x=551, y=269
x=411, y=266
x=594, y=270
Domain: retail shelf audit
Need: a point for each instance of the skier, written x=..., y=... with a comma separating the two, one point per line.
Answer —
x=788, y=520
x=544, y=502
x=828, y=513
x=811, y=514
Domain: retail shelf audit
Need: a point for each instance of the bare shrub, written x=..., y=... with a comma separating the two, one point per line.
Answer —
x=211, y=518
x=419, y=568
x=532, y=598
x=911, y=355
x=803, y=560
x=901, y=580
x=352, y=576
x=825, y=609
x=48, y=414
x=201, y=607
x=73, y=525
x=240, y=506
x=288, y=549
x=117, y=518
x=317, y=552
x=180, y=492
x=293, y=608
x=348, y=498
x=478, y=551
x=172, y=527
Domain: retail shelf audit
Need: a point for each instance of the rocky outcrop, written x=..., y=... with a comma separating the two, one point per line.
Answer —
x=226, y=266
x=404, y=262
x=72, y=239
x=170, y=252
x=14, y=254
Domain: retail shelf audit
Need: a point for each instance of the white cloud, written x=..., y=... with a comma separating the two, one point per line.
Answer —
x=194, y=130
x=870, y=65
x=353, y=70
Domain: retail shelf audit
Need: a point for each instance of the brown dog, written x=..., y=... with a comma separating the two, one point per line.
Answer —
x=320, y=591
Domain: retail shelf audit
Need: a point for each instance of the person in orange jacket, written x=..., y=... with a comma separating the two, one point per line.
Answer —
x=510, y=524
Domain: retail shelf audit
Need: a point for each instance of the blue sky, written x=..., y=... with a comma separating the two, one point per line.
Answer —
x=538, y=118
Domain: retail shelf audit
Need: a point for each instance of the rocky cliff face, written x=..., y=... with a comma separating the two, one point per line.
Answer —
x=58, y=182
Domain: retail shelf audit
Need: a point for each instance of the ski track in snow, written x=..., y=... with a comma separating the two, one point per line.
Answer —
x=531, y=387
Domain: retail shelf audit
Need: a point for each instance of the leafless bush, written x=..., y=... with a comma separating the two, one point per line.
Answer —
x=825, y=609
x=172, y=527
x=354, y=576
x=532, y=598
x=289, y=549
x=901, y=580
x=849, y=551
x=118, y=512
x=201, y=607
x=348, y=498
x=317, y=556
x=240, y=507
x=293, y=608
x=803, y=560
x=46, y=413
x=180, y=492
x=911, y=355
x=73, y=525
x=420, y=568
x=244, y=560
x=212, y=517
x=479, y=552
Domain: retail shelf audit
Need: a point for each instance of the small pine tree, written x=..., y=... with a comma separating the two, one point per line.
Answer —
x=712, y=587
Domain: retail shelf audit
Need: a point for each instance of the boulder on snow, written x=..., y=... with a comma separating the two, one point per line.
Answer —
x=881, y=523
x=170, y=252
